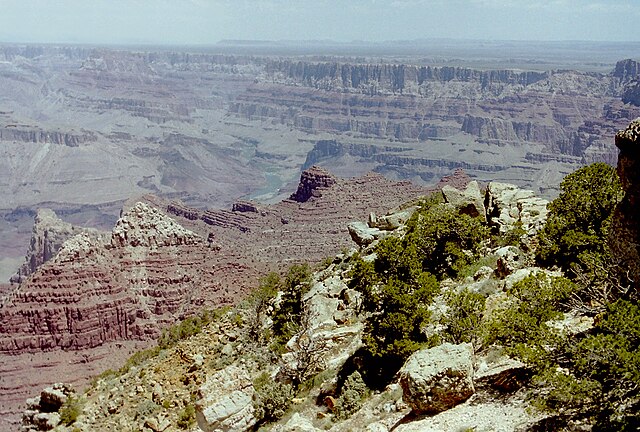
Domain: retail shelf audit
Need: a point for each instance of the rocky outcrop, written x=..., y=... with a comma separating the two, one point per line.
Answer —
x=437, y=379
x=226, y=401
x=627, y=70
x=48, y=234
x=390, y=78
x=147, y=227
x=469, y=202
x=41, y=413
x=625, y=237
x=37, y=136
x=508, y=205
x=245, y=207
x=312, y=181
x=362, y=234
x=98, y=290
x=509, y=260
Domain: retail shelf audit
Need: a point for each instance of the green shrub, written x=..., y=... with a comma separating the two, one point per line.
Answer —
x=463, y=319
x=146, y=408
x=483, y=261
x=363, y=278
x=576, y=229
x=70, y=410
x=138, y=358
x=446, y=241
x=393, y=329
x=272, y=399
x=187, y=417
x=189, y=327
x=521, y=327
x=510, y=238
x=286, y=318
x=352, y=394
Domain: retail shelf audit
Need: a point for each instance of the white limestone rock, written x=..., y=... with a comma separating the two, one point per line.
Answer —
x=438, y=378
x=226, y=401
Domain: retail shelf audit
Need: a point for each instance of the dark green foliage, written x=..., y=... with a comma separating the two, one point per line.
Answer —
x=610, y=361
x=259, y=302
x=393, y=331
x=399, y=285
x=577, y=227
x=521, y=327
x=70, y=411
x=509, y=238
x=364, y=279
x=286, y=318
x=187, y=417
x=446, y=241
x=353, y=392
x=272, y=399
x=462, y=321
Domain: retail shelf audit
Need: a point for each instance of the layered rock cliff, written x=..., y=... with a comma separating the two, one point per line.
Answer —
x=48, y=235
x=550, y=122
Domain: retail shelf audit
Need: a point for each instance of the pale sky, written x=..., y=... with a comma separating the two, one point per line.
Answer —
x=209, y=21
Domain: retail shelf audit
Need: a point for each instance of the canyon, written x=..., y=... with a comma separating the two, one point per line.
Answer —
x=180, y=178
x=113, y=292
x=82, y=129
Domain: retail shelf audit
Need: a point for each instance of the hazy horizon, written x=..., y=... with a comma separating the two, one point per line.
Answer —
x=207, y=22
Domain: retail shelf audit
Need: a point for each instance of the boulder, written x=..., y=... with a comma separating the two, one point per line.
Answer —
x=362, y=234
x=470, y=201
x=297, y=423
x=226, y=401
x=500, y=372
x=52, y=398
x=46, y=421
x=392, y=221
x=439, y=378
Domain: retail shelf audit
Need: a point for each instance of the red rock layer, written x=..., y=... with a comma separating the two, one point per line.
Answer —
x=152, y=271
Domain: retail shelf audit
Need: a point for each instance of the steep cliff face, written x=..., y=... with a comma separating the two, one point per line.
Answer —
x=391, y=78
x=48, y=234
x=312, y=181
x=35, y=135
x=542, y=118
x=100, y=289
x=626, y=225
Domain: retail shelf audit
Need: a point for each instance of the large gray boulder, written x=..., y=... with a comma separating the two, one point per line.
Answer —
x=437, y=379
x=509, y=260
x=470, y=201
x=226, y=401
x=362, y=234
x=391, y=221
